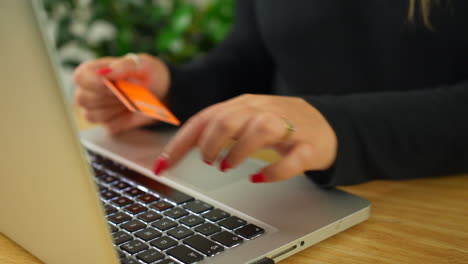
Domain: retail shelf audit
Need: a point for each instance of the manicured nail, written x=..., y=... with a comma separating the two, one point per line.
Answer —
x=224, y=166
x=104, y=71
x=257, y=178
x=160, y=165
x=208, y=162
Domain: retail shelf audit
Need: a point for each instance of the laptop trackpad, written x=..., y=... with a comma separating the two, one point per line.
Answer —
x=194, y=173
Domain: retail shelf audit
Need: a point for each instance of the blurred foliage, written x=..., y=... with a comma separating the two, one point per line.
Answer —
x=176, y=30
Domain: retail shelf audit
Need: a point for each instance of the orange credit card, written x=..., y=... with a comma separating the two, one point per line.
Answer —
x=139, y=99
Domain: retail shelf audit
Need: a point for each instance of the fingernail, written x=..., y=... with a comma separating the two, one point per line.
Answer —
x=103, y=71
x=257, y=178
x=224, y=166
x=208, y=162
x=160, y=165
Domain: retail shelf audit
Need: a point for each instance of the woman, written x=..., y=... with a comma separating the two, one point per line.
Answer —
x=362, y=90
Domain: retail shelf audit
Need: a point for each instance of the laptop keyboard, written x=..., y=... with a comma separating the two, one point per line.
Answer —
x=153, y=223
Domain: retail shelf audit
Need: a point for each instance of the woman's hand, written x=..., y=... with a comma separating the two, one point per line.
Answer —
x=100, y=105
x=255, y=122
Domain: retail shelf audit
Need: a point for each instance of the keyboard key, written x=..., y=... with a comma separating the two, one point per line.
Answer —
x=208, y=229
x=134, y=225
x=163, y=242
x=250, y=231
x=120, y=253
x=191, y=220
x=148, y=234
x=168, y=261
x=150, y=216
x=147, y=198
x=197, y=206
x=215, y=215
x=113, y=228
x=134, y=192
x=110, y=209
x=120, y=185
x=121, y=237
x=109, y=195
x=99, y=173
x=227, y=239
x=111, y=165
x=109, y=179
x=135, y=209
x=232, y=222
x=134, y=246
x=180, y=232
x=102, y=189
x=91, y=155
x=176, y=213
x=119, y=218
x=185, y=254
x=164, y=224
x=204, y=245
x=122, y=201
x=178, y=197
x=150, y=256
x=129, y=261
x=162, y=205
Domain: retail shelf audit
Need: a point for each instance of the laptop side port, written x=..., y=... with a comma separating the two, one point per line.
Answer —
x=271, y=260
x=284, y=252
x=264, y=261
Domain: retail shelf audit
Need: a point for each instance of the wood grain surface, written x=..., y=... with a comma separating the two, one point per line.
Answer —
x=412, y=221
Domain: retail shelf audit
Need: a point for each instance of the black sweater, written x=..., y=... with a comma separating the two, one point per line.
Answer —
x=395, y=93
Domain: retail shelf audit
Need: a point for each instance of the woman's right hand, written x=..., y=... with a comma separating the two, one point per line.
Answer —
x=100, y=105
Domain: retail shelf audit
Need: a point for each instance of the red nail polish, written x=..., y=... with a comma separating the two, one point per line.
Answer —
x=257, y=178
x=160, y=165
x=104, y=71
x=224, y=166
x=208, y=162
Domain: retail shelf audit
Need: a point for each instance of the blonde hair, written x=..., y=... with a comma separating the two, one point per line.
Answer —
x=425, y=9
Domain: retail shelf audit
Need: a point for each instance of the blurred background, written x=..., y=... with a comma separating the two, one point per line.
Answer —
x=175, y=30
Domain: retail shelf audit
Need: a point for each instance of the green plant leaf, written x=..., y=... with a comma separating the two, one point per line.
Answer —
x=177, y=30
x=182, y=18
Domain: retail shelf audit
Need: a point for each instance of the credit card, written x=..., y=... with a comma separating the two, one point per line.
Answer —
x=137, y=98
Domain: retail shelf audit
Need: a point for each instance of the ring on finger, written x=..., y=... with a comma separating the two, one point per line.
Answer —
x=290, y=128
x=135, y=58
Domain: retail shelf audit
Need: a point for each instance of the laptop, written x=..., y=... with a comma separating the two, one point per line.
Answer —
x=78, y=198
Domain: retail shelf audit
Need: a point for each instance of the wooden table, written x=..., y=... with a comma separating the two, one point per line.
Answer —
x=412, y=221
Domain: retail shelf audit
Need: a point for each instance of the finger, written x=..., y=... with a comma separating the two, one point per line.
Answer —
x=125, y=68
x=299, y=159
x=265, y=129
x=92, y=100
x=188, y=136
x=222, y=127
x=104, y=115
x=86, y=77
x=126, y=121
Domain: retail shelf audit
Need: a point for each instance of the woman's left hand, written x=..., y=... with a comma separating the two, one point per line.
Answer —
x=256, y=122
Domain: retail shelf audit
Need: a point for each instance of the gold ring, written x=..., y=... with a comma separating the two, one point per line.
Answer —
x=290, y=128
x=135, y=58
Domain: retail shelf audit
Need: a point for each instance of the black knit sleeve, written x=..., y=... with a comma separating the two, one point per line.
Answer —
x=396, y=135
x=240, y=64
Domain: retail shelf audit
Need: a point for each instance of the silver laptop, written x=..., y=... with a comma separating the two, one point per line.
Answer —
x=91, y=198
